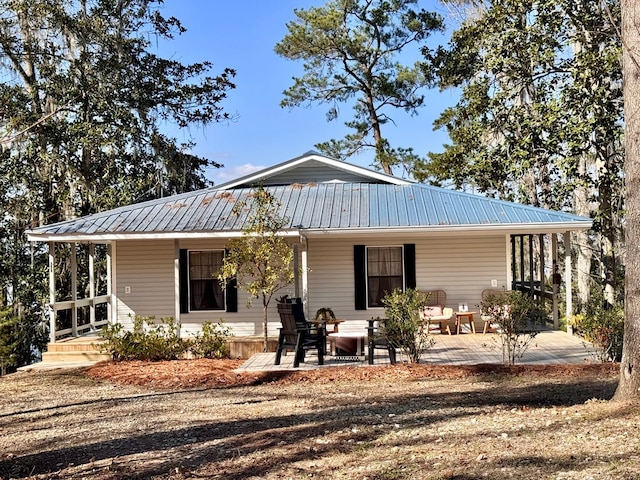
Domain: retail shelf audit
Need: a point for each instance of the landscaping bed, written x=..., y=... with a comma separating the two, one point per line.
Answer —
x=199, y=419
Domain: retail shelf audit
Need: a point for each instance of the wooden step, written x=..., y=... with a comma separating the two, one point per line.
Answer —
x=77, y=356
x=81, y=349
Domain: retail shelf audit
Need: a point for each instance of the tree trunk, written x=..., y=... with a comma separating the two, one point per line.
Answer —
x=581, y=238
x=629, y=384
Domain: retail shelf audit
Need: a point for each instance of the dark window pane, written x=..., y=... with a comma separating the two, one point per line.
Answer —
x=205, y=292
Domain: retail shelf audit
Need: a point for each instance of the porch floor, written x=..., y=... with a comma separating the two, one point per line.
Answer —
x=549, y=347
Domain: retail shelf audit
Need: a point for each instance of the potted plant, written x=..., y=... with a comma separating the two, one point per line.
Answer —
x=325, y=314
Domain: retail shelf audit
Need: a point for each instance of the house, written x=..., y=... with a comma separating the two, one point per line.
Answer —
x=356, y=233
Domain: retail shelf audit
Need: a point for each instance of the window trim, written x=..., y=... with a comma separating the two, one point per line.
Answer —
x=360, y=259
x=230, y=291
x=366, y=270
x=224, y=296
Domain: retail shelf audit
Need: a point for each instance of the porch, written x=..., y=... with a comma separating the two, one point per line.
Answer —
x=549, y=347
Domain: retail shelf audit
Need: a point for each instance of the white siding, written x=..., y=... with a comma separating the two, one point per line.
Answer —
x=146, y=267
x=462, y=266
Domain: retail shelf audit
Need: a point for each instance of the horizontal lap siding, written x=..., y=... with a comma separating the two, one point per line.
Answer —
x=246, y=321
x=147, y=268
x=462, y=266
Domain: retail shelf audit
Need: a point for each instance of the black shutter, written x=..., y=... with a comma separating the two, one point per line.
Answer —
x=359, y=275
x=410, y=265
x=231, y=295
x=231, y=292
x=184, y=281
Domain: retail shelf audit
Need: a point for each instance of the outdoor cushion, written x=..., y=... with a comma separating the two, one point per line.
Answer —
x=434, y=311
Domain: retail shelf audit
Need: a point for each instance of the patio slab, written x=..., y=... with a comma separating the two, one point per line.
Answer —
x=549, y=347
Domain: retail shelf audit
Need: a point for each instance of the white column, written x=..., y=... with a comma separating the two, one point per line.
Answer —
x=52, y=292
x=176, y=283
x=567, y=277
x=554, y=267
x=296, y=270
x=92, y=287
x=543, y=289
x=74, y=289
x=304, y=274
x=112, y=311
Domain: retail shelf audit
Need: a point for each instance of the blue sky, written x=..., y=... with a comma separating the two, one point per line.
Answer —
x=241, y=34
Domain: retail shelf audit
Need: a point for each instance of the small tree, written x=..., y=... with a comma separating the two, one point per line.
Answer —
x=403, y=326
x=261, y=259
x=516, y=316
x=8, y=339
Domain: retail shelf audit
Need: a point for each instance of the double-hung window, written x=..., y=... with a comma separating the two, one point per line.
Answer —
x=384, y=273
x=205, y=292
x=379, y=270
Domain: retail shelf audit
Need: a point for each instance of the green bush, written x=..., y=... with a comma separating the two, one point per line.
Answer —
x=518, y=320
x=153, y=341
x=403, y=326
x=147, y=341
x=602, y=326
x=8, y=339
x=211, y=341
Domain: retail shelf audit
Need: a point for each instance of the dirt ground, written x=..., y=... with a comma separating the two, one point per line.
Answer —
x=199, y=419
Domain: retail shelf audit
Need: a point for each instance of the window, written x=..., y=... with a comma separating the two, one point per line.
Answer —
x=205, y=292
x=384, y=273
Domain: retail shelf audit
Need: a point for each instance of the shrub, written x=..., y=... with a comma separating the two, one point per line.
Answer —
x=211, y=341
x=403, y=326
x=8, y=339
x=518, y=319
x=153, y=341
x=602, y=326
x=147, y=341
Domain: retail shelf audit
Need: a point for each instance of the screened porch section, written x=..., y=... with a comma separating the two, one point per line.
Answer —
x=79, y=288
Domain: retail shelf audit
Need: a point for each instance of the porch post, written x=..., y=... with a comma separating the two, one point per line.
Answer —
x=74, y=289
x=52, y=292
x=554, y=263
x=543, y=288
x=176, y=283
x=567, y=277
x=296, y=270
x=304, y=274
x=92, y=288
x=112, y=311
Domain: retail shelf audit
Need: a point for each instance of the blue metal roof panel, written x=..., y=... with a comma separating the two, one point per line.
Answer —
x=315, y=206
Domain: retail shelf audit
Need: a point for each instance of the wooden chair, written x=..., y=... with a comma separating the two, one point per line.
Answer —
x=376, y=338
x=297, y=334
x=436, y=312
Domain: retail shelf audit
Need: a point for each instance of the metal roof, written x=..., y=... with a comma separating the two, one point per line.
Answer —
x=316, y=207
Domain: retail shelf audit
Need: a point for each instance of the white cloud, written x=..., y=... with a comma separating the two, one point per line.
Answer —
x=223, y=175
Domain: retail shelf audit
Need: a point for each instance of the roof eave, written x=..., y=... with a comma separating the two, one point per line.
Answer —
x=529, y=228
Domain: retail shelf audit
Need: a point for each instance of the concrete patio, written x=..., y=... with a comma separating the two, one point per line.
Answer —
x=549, y=347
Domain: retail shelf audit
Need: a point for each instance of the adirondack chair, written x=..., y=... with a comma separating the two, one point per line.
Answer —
x=297, y=334
x=377, y=339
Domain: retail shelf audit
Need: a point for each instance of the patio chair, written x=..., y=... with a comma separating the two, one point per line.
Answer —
x=297, y=334
x=436, y=312
x=376, y=338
